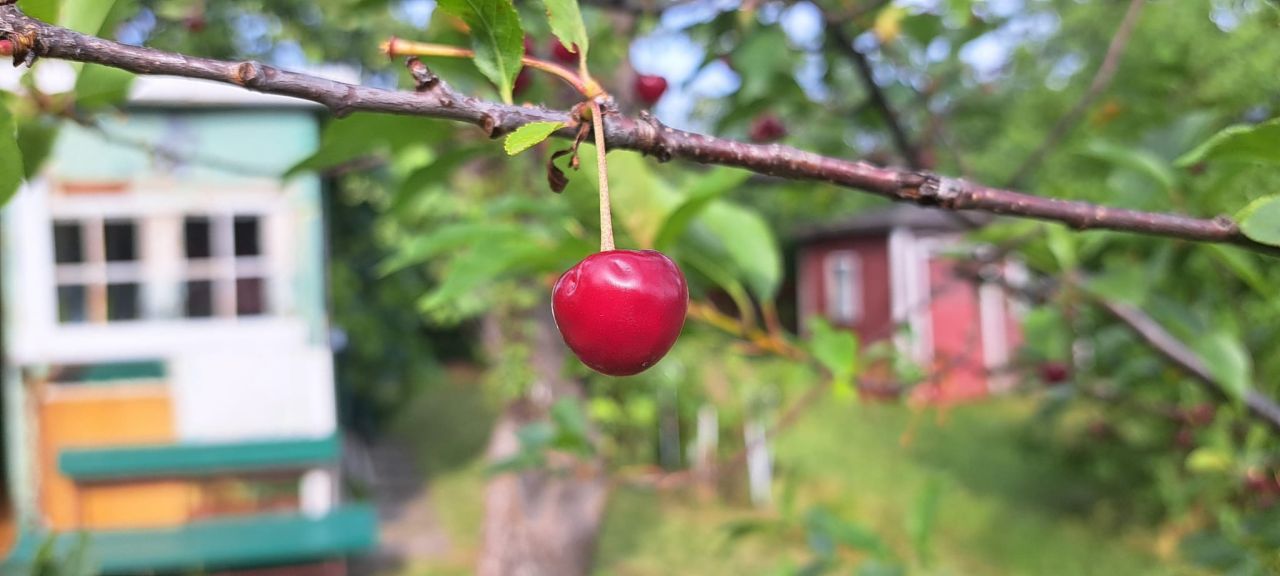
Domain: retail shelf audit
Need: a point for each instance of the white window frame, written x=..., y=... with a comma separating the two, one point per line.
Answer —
x=95, y=273
x=843, y=304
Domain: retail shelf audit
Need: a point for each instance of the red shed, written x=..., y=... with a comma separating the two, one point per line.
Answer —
x=895, y=273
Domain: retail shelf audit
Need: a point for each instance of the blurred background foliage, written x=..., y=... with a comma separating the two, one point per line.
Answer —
x=439, y=241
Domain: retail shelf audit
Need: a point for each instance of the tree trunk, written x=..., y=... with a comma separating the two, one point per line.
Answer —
x=541, y=522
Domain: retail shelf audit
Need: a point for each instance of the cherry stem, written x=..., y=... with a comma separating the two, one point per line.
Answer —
x=583, y=83
x=602, y=169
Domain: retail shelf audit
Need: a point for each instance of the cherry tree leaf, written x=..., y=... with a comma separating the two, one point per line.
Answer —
x=1260, y=220
x=496, y=37
x=10, y=156
x=529, y=135
x=1239, y=143
x=1228, y=361
x=566, y=24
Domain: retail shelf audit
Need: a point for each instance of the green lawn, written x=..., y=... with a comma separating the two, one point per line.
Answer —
x=1004, y=509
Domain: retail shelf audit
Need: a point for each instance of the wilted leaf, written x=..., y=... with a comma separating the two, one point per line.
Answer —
x=529, y=135
x=496, y=37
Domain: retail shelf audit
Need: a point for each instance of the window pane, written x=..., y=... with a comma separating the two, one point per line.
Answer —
x=72, y=308
x=122, y=240
x=247, y=236
x=251, y=297
x=123, y=302
x=68, y=245
x=199, y=299
x=196, y=232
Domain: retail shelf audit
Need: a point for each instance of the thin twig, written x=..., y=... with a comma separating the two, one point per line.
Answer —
x=876, y=94
x=1101, y=81
x=643, y=134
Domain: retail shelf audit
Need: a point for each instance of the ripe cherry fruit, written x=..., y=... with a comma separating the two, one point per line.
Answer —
x=620, y=311
x=649, y=89
x=767, y=128
x=1054, y=372
x=6, y=48
x=562, y=54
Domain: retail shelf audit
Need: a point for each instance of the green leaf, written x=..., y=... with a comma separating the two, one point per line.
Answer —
x=1062, y=244
x=924, y=516
x=35, y=138
x=1206, y=460
x=1136, y=159
x=743, y=236
x=449, y=238
x=496, y=37
x=86, y=16
x=102, y=86
x=1244, y=266
x=836, y=350
x=529, y=135
x=1260, y=220
x=706, y=189
x=367, y=134
x=11, y=168
x=1228, y=361
x=46, y=10
x=566, y=24
x=1240, y=143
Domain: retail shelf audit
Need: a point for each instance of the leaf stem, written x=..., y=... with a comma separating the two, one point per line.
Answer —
x=583, y=83
x=602, y=168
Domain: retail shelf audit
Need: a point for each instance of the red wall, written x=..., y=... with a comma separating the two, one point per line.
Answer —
x=957, y=334
x=877, y=312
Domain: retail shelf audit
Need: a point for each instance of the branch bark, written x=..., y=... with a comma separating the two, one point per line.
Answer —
x=644, y=134
x=1261, y=406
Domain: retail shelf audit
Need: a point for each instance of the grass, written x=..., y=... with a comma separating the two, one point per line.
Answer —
x=1004, y=508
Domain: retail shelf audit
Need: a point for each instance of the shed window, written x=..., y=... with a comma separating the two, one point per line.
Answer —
x=97, y=272
x=843, y=286
x=225, y=268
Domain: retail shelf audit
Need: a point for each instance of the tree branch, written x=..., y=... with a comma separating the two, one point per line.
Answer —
x=644, y=134
x=1173, y=350
x=877, y=96
x=1101, y=80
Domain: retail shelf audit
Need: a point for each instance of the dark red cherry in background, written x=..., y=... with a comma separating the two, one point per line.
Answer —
x=523, y=78
x=649, y=89
x=562, y=54
x=767, y=128
x=1054, y=372
x=620, y=311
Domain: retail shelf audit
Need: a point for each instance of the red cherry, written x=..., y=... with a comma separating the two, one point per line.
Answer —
x=522, y=82
x=649, y=88
x=6, y=48
x=528, y=46
x=621, y=311
x=195, y=23
x=1054, y=372
x=767, y=128
x=562, y=54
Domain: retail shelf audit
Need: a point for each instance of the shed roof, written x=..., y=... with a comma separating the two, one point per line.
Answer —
x=882, y=221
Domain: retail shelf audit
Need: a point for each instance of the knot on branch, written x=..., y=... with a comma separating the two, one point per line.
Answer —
x=650, y=137
x=934, y=190
x=423, y=78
